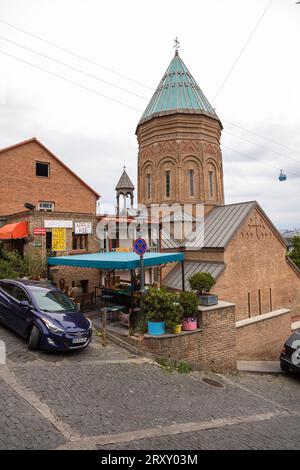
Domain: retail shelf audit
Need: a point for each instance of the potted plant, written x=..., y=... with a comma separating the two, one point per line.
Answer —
x=202, y=283
x=189, y=303
x=157, y=306
x=174, y=314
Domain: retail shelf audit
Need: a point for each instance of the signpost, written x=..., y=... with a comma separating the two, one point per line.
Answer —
x=140, y=248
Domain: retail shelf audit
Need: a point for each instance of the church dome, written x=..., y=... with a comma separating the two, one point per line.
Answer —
x=178, y=92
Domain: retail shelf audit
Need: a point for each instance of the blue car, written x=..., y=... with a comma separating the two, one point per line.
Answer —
x=43, y=315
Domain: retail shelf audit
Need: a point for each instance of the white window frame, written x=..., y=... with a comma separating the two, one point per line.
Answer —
x=50, y=208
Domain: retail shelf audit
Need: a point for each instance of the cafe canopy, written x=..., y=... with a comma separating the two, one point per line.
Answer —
x=115, y=260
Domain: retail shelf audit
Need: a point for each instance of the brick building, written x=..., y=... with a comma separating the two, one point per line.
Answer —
x=55, y=198
x=180, y=161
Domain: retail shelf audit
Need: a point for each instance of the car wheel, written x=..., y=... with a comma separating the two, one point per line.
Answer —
x=34, y=338
x=284, y=367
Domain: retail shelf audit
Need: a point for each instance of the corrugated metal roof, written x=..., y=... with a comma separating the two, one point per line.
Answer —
x=167, y=241
x=178, y=92
x=220, y=224
x=174, y=278
x=179, y=216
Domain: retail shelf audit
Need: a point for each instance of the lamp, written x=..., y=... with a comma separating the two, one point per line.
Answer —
x=29, y=206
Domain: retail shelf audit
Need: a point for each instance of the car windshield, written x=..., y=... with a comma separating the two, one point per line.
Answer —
x=53, y=300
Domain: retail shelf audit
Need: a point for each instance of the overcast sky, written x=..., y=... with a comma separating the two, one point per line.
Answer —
x=96, y=135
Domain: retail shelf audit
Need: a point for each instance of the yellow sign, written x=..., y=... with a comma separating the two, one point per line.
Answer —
x=59, y=236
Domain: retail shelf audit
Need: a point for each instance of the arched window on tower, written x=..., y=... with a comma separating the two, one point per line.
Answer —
x=148, y=184
x=211, y=183
x=191, y=182
x=168, y=183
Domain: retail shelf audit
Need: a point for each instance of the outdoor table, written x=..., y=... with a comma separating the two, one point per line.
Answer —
x=114, y=309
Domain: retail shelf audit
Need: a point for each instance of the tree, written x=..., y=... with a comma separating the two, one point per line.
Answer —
x=295, y=253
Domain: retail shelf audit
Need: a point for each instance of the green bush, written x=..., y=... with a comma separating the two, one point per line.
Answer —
x=34, y=265
x=202, y=282
x=295, y=254
x=11, y=265
x=189, y=303
x=161, y=305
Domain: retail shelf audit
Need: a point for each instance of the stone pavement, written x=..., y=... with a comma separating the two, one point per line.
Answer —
x=266, y=367
x=106, y=398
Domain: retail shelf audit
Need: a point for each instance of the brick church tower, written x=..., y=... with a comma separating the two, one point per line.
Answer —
x=179, y=159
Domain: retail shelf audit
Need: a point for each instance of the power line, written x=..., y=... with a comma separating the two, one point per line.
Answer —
x=116, y=86
x=69, y=81
x=71, y=67
x=257, y=159
x=57, y=46
x=242, y=50
x=261, y=146
x=75, y=54
x=261, y=136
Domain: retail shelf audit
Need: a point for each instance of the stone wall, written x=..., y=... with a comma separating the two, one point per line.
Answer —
x=258, y=278
x=212, y=346
x=261, y=338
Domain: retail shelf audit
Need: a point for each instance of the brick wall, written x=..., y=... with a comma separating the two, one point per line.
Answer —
x=256, y=261
x=262, y=340
x=36, y=219
x=178, y=143
x=212, y=346
x=19, y=183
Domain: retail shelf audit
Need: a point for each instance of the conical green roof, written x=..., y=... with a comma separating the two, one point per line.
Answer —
x=178, y=92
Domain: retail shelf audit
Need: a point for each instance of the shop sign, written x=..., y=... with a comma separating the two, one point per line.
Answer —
x=83, y=227
x=58, y=223
x=39, y=231
x=59, y=239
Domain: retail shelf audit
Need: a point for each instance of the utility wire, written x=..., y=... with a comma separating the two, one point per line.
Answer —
x=261, y=136
x=69, y=81
x=242, y=50
x=57, y=46
x=257, y=159
x=259, y=145
x=116, y=86
x=71, y=67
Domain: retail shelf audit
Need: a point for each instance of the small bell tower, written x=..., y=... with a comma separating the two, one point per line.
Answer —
x=124, y=188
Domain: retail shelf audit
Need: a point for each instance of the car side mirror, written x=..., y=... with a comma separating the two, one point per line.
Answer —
x=25, y=304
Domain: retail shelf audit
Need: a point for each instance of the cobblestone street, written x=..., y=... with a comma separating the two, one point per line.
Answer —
x=106, y=398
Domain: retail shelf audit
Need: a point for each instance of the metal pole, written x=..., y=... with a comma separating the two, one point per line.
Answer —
x=142, y=272
x=104, y=317
x=183, y=276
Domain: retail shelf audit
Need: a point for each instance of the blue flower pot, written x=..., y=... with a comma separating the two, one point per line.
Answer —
x=156, y=327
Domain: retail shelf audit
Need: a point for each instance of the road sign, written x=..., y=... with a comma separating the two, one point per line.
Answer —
x=39, y=231
x=140, y=246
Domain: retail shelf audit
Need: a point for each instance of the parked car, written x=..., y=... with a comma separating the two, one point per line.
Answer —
x=44, y=315
x=290, y=354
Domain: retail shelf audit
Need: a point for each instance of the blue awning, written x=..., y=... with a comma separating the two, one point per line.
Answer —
x=115, y=260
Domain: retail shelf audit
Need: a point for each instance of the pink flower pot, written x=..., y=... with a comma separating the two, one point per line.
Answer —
x=189, y=324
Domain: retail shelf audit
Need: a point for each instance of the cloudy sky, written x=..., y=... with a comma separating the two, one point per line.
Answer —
x=244, y=55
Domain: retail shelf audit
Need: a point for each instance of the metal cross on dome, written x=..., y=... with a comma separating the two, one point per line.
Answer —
x=176, y=43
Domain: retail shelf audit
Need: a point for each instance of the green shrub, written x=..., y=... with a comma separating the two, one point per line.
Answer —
x=295, y=253
x=202, y=282
x=11, y=265
x=189, y=303
x=34, y=265
x=161, y=305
